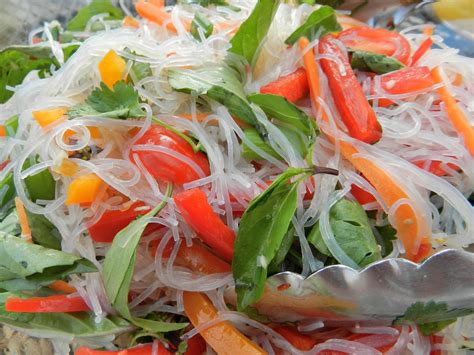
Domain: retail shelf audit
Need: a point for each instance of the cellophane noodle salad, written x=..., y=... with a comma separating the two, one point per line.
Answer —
x=157, y=168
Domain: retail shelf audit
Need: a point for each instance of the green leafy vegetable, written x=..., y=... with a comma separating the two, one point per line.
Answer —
x=11, y=126
x=386, y=235
x=14, y=66
x=40, y=186
x=431, y=317
x=10, y=224
x=262, y=229
x=276, y=106
x=43, y=231
x=218, y=83
x=201, y=22
x=57, y=325
x=352, y=232
x=333, y=3
x=96, y=7
x=118, y=270
x=373, y=62
x=320, y=22
x=29, y=266
x=7, y=188
x=280, y=256
x=248, y=39
x=122, y=102
x=253, y=136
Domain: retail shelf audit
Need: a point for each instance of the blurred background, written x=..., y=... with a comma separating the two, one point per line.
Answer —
x=454, y=19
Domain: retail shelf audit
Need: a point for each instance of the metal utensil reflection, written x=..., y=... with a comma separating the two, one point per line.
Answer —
x=377, y=295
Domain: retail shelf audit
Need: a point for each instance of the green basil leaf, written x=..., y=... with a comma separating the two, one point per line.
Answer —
x=253, y=136
x=218, y=83
x=10, y=224
x=262, y=229
x=320, y=22
x=248, y=39
x=7, y=189
x=57, y=325
x=11, y=126
x=201, y=22
x=385, y=236
x=40, y=186
x=431, y=316
x=351, y=229
x=373, y=62
x=34, y=265
x=275, y=265
x=96, y=7
x=277, y=107
x=118, y=271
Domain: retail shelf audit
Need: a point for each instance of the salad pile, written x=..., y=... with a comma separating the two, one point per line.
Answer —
x=156, y=169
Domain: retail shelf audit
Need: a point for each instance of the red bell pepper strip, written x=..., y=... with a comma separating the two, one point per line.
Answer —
x=196, y=257
x=55, y=304
x=146, y=349
x=377, y=40
x=112, y=222
x=300, y=341
x=361, y=195
x=293, y=87
x=408, y=80
x=196, y=211
x=351, y=103
x=165, y=167
x=434, y=167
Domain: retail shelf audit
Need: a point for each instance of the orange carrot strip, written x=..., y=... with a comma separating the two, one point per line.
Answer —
x=407, y=222
x=458, y=79
x=159, y=3
x=428, y=30
x=158, y=15
x=3, y=131
x=455, y=114
x=129, y=21
x=25, y=227
x=62, y=286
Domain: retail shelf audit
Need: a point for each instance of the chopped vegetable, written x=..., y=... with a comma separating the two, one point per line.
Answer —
x=84, y=189
x=292, y=87
x=197, y=212
x=246, y=42
x=47, y=117
x=23, y=219
x=62, y=286
x=163, y=164
x=158, y=15
x=40, y=186
x=377, y=40
x=318, y=23
x=112, y=69
x=200, y=22
x=421, y=51
x=298, y=340
x=376, y=63
x=96, y=7
x=457, y=117
x=352, y=232
x=349, y=98
x=51, y=304
x=200, y=310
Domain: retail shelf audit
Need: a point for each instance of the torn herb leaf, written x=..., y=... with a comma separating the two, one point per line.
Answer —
x=200, y=22
x=375, y=63
x=96, y=7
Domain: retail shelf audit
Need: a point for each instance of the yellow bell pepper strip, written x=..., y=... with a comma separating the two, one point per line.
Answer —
x=223, y=337
x=112, y=68
x=407, y=222
x=49, y=116
x=84, y=189
x=457, y=117
x=23, y=219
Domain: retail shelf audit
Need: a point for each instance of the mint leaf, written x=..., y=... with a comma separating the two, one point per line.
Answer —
x=320, y=22
x=96, y=7
x=121, y=102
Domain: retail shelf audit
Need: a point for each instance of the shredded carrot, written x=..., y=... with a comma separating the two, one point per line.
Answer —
x=458, y=79
x=407, y=222
x=23, y=219
x=428, y=30
x=457, y=117
x=158, y=15
x=3, y=131
x=311, y=71
x=129, y=21
x=62, y=286
x=84, y=189
x=49, y=116
x=112, y=68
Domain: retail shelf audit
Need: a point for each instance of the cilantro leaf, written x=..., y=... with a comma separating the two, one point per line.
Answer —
x=431, y=317
x=79, y=22
x=121, y=102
